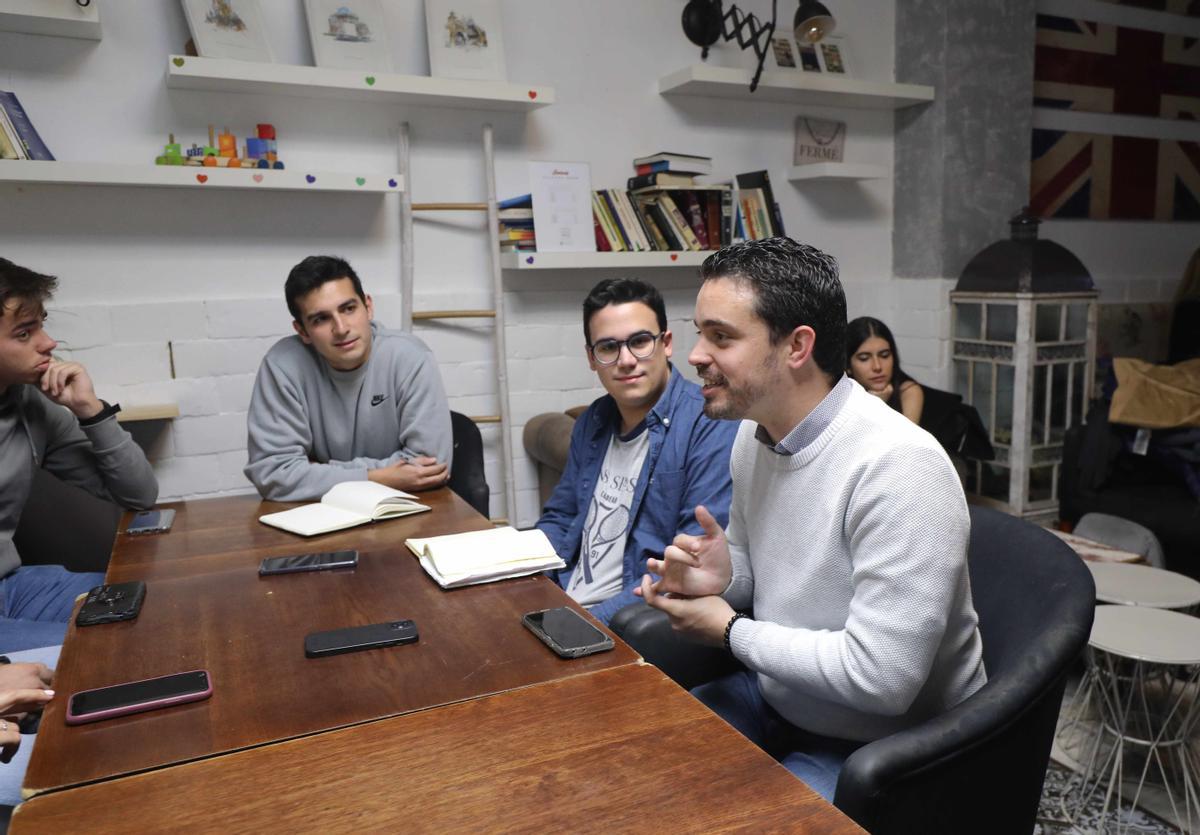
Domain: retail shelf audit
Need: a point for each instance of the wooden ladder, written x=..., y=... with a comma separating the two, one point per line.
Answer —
x=495, y=313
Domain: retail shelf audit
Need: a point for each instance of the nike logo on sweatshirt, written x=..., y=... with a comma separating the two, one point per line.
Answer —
x=376, y=399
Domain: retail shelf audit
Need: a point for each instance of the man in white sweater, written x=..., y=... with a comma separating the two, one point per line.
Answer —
x=847, y=533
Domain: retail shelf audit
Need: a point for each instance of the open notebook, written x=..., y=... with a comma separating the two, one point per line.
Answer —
x=463, y=559
x=346, y=505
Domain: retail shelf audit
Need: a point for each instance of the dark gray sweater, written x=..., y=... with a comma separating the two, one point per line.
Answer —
x=36, y=432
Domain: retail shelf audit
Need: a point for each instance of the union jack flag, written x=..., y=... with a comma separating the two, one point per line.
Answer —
x=1102, y=68
x=1091, y=175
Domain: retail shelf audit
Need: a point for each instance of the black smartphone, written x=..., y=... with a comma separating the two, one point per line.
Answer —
x=354, y=638
x=567, y=632
x=108, y=604
x=308, y=562
x=151, y=521
x=138, y=696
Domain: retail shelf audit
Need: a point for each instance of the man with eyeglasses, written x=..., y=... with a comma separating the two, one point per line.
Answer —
x=642, y=457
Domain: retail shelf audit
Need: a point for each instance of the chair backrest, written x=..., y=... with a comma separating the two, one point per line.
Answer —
x=82, y=545
x=467, y=477
x=980, y=766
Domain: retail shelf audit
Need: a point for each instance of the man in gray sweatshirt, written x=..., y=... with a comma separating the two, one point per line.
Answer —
x=51, y=418
x=344, y=399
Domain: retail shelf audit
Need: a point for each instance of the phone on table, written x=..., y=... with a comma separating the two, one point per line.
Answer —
x=138, y=696
x=308, y=562
x=111, y=603
x=567, y=632
x=354, y=638
x=151, y=521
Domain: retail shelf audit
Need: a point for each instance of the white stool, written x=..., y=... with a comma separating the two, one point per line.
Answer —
x=1143, y=664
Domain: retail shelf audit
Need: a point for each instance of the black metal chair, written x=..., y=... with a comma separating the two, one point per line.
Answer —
x=979, y=767
x=467, y=477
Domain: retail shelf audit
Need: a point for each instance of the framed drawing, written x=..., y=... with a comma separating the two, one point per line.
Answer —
x=808, y=57
x=782, y=47
x=465, y=40
x=831, y=52
x=348, y=35
x=228, y=29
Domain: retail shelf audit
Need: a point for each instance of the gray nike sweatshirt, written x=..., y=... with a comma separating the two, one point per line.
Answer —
x=311, y=427
x=36, y=432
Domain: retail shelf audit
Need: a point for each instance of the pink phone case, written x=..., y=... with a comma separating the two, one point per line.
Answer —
x=140, y=707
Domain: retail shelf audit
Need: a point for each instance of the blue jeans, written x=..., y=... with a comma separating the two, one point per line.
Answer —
x=815, y=759
x=36, y=602
x=12, y=773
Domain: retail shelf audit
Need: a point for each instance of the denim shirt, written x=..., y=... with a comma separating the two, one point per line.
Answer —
x=687, y=464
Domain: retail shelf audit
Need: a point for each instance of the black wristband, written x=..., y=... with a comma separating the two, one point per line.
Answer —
x=105, y=413
x=729, y=628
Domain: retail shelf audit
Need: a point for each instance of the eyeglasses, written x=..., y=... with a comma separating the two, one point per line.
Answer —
x=608, y=351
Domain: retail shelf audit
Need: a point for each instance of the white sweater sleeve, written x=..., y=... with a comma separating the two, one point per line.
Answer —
x=907, y=548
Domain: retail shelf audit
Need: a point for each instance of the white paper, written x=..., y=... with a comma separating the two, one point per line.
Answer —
x=562, y=206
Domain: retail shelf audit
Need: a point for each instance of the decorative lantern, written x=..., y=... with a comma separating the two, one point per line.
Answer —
x=1024, y=351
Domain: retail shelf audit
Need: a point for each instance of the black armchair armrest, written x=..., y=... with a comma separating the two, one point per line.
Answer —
x=686, y=663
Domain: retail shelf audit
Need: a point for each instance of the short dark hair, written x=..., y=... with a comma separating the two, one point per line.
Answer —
x=862, y=329
x=794, y=284
x=23, y=285
x=314, y=271
x=622, y=291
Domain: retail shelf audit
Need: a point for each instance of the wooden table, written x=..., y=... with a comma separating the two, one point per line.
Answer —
x=209, y=609
x=623, y=749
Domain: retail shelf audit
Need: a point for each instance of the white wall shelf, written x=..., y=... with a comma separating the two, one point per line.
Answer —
x=600, y=260
x=228, y=76
x=793, y=86
x=148, y=411
x=61, y=18
x=837, y=171
x=182, y=176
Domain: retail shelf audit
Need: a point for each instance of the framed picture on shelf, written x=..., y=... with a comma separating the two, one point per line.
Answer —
x=348, y=35
x=831, y=52
x=818, y=140
x=465, y=39
x=809, y=62
x=782, y=47
x=228, y=29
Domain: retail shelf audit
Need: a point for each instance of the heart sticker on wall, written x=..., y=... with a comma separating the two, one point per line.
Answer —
x=529, y=260
x=177, y=62
x=360, y=180
x=257, y=178
x=532, y=95
x=674, y=256
x=391, y=183
x=203, y=178
x=310, y=178
x=370, y=79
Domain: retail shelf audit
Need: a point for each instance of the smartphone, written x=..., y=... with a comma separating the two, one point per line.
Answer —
x=567, y=632
x=108, y=604
x=138, y=696
x=308, y=562
x=151, y=521
x=354, y=638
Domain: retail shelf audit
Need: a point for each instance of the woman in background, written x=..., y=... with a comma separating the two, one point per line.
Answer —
x=872, y=360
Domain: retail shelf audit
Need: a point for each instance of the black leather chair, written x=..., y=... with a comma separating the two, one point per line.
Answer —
x=979, y=767
x=62, y=524
x=467, y=477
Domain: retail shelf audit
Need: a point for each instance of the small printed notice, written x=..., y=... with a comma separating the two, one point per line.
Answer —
x=562, y=206
x=819, y=140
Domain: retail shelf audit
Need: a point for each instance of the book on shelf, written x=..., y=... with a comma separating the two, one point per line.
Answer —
x=602, y=214
x=344, y=506
x=679, y=223
x=660, y=179
x=761, y=180
x=666, y=225
x=647, y=218
x=516, y=214
x=464, y=559
x=24, y=135
x=694, y=215
x=521, y=201
x=681, y=163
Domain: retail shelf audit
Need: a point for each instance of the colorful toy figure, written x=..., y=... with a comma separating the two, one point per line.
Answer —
x=221, y=151
x=171, y=154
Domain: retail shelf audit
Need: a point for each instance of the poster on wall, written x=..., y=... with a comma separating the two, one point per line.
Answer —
x=562, y=206
x=348, y=36
x=465, y=39
x=1103, y=68
x=1103, y=177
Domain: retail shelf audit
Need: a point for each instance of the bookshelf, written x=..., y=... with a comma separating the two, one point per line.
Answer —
x=793, y=87
x=600, y=260
x=182, y=176
x=148, y=411
x=61, y=18
x=836, y=171
x=227, y=76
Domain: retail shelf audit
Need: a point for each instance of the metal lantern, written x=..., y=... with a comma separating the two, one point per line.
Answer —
x=1024, y=351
